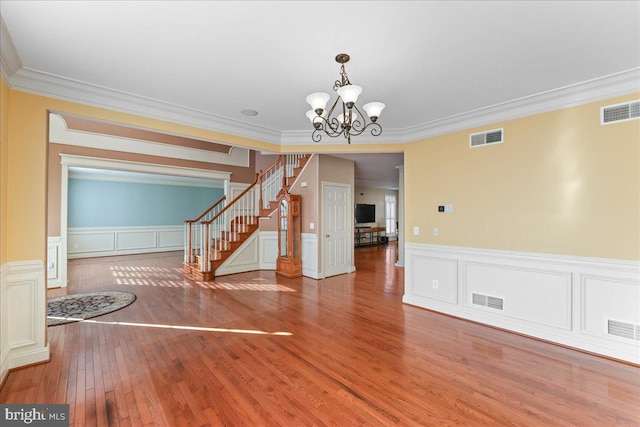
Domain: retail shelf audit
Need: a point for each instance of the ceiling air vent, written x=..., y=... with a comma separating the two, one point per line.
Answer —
x=484, y=138
x=623, y=329
x=620, y=112
x=487, y=301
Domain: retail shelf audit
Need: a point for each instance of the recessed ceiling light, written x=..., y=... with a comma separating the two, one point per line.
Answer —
x=249, y=113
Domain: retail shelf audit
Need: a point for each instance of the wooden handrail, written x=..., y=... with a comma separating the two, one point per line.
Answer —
x=278, y=160
x=231, y=203
x=258, y=177
x=222, y=199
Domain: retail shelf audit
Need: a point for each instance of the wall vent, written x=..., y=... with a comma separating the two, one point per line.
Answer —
x=623, y=329
x=487, y=301
x=620, y=112
x=485, y=138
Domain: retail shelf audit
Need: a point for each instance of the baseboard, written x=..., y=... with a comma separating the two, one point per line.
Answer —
x=30, y=357
x=567, y=300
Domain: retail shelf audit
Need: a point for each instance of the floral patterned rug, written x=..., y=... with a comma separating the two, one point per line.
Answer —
x=77, y=307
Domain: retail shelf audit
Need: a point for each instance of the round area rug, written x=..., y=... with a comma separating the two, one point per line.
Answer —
x=77, y=307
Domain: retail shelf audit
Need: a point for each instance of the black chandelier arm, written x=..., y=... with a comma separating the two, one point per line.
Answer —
x=333, y=107
x=375, y=129
x=316, y=136
x=334, y=125
x=358, y=125
x=356, y=128
x=331, y=127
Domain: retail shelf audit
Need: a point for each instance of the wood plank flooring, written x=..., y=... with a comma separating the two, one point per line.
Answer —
x=253, y=349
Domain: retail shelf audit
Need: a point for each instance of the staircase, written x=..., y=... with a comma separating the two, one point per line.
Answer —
x=211, y=238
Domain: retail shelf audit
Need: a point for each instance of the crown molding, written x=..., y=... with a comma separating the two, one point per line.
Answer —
x=622, y=83
x=45, y=84
x=10, y=61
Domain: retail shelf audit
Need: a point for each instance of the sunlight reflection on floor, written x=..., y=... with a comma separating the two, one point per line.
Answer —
x=189, y=328
x=267, y=287
x=173, y=278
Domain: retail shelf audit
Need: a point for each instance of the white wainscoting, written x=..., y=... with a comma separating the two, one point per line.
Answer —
x=268, y=241
x=87, y=242
x=22, y=315
x=564, y=299
x=310, y=255
x=268, y=252
x=54, y=248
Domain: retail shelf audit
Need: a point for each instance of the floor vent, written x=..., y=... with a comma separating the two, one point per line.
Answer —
x=620, y=112
x=487, y=301
x=623, y=329
x=486, y=138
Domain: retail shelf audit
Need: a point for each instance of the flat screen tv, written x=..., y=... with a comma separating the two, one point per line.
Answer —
x=365, y=213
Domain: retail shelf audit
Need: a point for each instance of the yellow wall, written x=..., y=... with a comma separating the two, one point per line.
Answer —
x=4, y=155
x=560, y=184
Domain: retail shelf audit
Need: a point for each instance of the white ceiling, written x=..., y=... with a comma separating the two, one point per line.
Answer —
x=203, y=62
x=427, y=60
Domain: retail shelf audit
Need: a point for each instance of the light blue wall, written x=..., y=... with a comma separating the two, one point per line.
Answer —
x=122, y=204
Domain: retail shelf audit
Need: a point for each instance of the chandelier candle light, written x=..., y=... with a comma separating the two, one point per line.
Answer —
x=348, y=123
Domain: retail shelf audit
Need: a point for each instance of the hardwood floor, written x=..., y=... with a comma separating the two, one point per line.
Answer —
x=253, y=349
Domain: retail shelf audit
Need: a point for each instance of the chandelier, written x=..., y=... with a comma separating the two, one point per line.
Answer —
x=350, y=122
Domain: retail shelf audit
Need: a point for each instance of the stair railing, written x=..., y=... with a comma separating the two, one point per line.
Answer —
x=271, y=182
x=193, y=232
x=218, y=232
x=293, y=162
x=276, y=177
x=207, y=236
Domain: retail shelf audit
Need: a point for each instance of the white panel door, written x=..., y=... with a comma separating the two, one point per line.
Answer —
x=336, y=229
